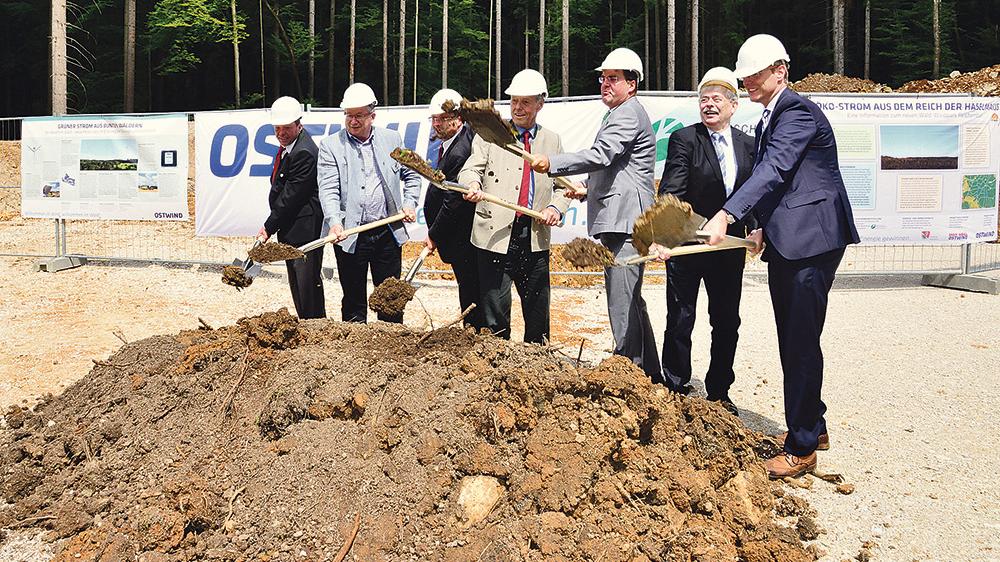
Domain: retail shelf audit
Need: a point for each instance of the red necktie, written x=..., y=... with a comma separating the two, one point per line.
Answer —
x=524, y=197
x=277, y=162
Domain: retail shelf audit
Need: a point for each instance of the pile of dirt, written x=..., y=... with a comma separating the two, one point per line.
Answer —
x=266, y=440
x=820, y=82
x=391, y=296
x=274, y=251
x=983, y=82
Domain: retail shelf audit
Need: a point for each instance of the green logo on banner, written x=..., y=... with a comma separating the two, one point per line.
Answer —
x=662, y=130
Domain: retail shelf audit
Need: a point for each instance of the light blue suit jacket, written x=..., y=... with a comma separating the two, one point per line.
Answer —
x=341, y=178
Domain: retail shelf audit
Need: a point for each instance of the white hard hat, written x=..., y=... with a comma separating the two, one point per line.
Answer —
x=285, y=111
x=622, y=59
x=759, y=52
x=719, y=76
x=528, y=82
x=442, y=96
x=358, y=94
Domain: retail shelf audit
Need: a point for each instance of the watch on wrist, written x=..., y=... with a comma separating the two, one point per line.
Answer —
x=730, y=219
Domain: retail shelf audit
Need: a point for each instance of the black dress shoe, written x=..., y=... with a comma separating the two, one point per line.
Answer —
x=726, y=403
x=685, y=389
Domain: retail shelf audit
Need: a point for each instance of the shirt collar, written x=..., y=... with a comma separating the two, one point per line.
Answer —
x=531, y=132
x=774, y=102
x=291, y=145
x=358, y=141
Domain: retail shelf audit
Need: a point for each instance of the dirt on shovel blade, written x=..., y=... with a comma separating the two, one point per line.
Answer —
x=264, y=440
x=391, y=296
x=583, y=253
x=235, y=276
x=274, y=251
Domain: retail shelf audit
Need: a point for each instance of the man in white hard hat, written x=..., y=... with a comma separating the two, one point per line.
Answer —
x=798, y=196
x=360, y=183
x=513, y=248
x=706, y=163
x=449, y=216
x=618, y=188
x=296, y=216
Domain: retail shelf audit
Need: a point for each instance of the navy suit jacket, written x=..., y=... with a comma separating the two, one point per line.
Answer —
x=796, y=190
x=294, y=197
x=693, y=174
x=449, y=216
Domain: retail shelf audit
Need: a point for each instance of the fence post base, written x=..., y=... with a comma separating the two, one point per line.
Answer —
x=60, y=263
x=973, y=283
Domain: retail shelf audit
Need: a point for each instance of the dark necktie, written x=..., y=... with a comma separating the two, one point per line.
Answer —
x=277, y=162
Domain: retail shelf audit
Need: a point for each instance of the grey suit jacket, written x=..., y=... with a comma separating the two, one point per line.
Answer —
x=620, y=166
x=340, y=174
x=499, y=172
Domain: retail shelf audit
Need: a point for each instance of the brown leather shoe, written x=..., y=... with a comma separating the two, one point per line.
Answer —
x=824, y=441
x=787, y=465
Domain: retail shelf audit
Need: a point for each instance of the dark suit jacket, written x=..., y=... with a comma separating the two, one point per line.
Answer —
x=693, y=174
x=294, y=197
x=449, y=216
x=796, y=189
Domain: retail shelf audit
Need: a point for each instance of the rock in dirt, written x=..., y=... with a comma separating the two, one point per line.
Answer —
x=982, y=82
x=274, y=251
x=584, y=253
x=573, y=463
x=846, y=489
x=235, y=276
x=391, y=296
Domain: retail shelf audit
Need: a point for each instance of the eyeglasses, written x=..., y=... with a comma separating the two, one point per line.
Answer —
x=442, y=118
x=357, y=116
x=613, y=80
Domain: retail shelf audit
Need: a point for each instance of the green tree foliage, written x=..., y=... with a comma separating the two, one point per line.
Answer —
x=182, y=27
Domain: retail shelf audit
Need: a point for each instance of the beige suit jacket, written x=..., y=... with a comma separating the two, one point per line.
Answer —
x=499, y=172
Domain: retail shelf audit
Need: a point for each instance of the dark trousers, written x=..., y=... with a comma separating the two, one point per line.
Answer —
x=529, y=272
x=799, y=291
x=306, y=284
x=376, y=249
x=466, y=268
x=723, y=275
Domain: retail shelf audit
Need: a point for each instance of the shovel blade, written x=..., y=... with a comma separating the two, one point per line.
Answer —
x=250, y=268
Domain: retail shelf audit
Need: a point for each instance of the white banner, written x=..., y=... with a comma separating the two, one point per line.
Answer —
x=235, y=151
x=105, y=167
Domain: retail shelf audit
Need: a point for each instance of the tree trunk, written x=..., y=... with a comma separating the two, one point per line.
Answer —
x=868, y=37
x=312, y=48
x=129, y=105
x=283, y=35
x=937, y=39
x=541, y=36
x=671, y=48
x=497, y=36
x=385, y=50
x=565, y=48
x=489, y=53
x=694, y=43
x=331, y=100
x=526, y=47
x=58, y=57
x=444, y=44
x=645, y=61
x=354, y=28
x=402, y=50
x=416, y=36
x=236, y=52
x=838, y=36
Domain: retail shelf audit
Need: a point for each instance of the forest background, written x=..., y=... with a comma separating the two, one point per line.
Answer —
x=188, y=55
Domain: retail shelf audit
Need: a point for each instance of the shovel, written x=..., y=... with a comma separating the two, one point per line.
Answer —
x=415, y=267
x=351, y=232
x=250, y=268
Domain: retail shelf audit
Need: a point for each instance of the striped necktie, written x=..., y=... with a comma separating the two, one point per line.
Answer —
x=720, y=153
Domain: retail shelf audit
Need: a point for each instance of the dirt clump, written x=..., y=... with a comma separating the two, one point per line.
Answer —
x=274, y=251
x=205, y=445
x=391, y=296
x=587, y=254
x=235, y=276
x=982, y=82
x=820, y=82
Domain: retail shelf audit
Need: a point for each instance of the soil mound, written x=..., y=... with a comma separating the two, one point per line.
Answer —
x=820, y=82
x=587, y=254
x=264, y=441
x=983, y=82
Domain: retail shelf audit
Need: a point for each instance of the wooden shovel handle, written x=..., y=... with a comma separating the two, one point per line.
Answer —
x=494, y=199
x=560, y=181
x=352, y=231
x=730, y=243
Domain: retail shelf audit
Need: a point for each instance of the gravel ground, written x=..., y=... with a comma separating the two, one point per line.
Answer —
x=911, y=381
